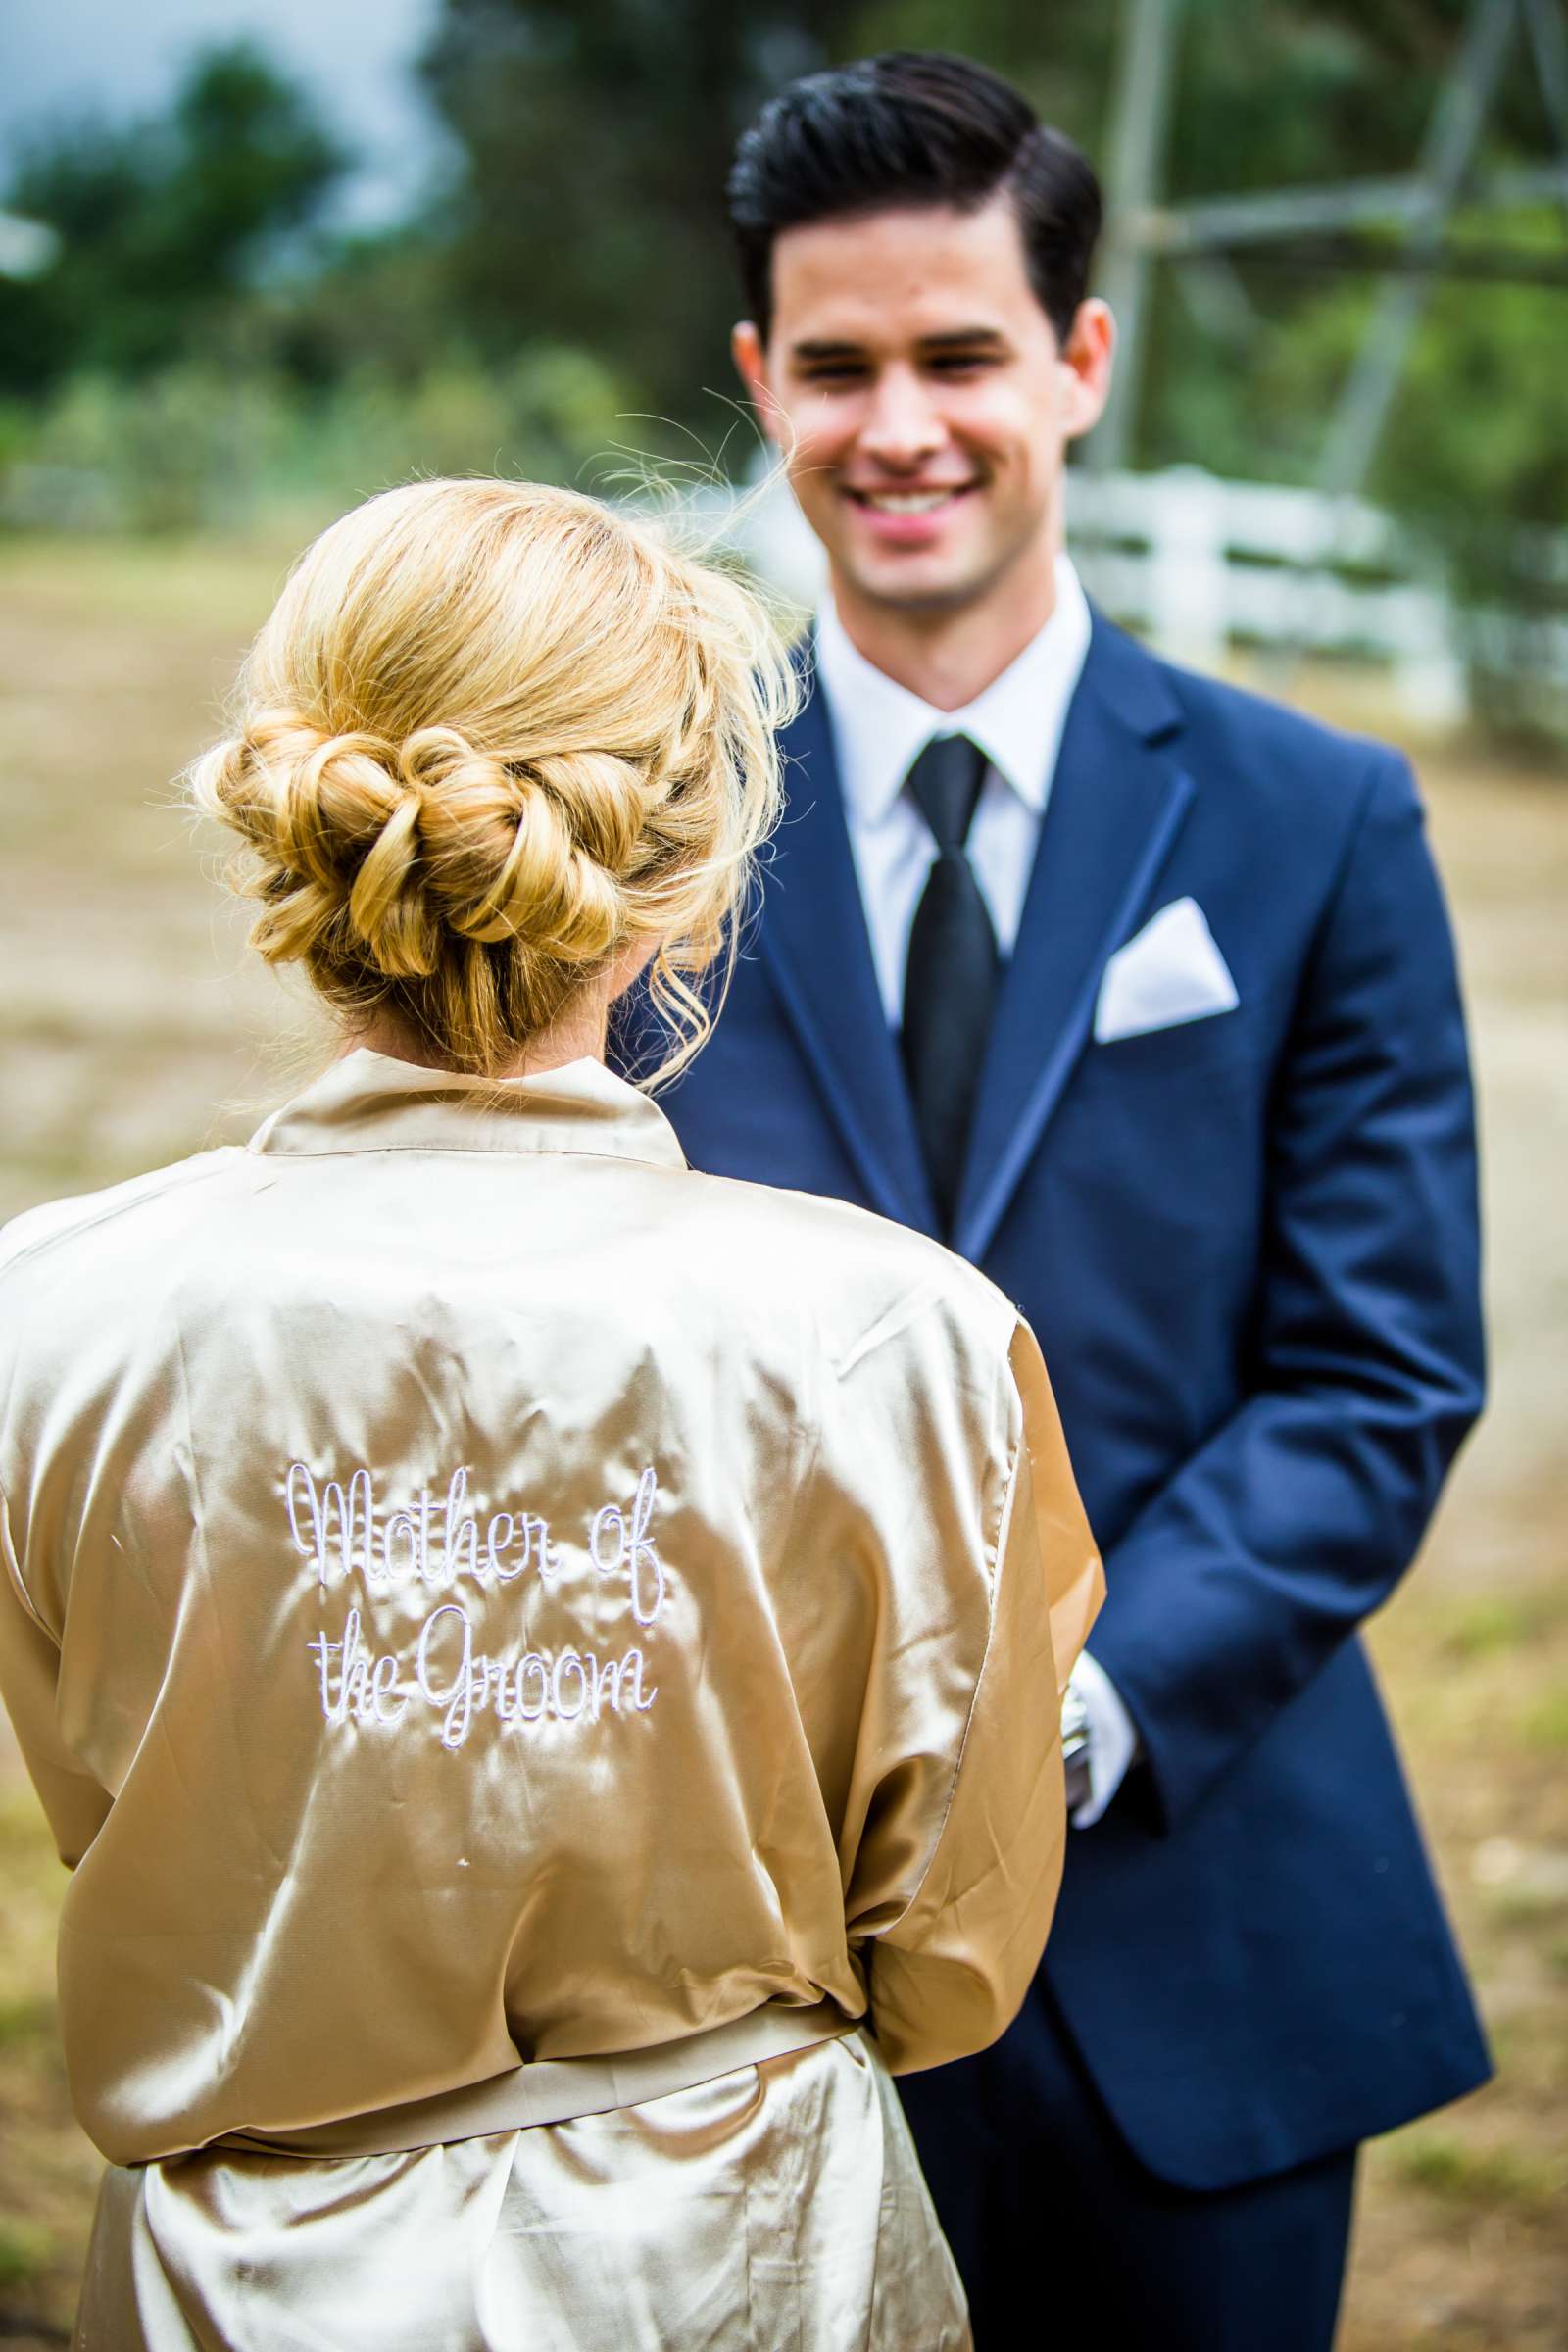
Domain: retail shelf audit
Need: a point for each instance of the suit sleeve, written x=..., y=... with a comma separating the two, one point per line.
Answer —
x=1267, y=1548
x=73, y=1803
x=952, y=1919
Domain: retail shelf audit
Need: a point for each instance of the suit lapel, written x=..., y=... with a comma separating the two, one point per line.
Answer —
x=1116, y=804
x=815, y=941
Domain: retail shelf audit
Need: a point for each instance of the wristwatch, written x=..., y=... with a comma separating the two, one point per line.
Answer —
x=1075, y=1746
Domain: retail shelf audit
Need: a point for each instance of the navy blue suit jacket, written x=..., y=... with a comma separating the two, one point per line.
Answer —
x=1248, y=1246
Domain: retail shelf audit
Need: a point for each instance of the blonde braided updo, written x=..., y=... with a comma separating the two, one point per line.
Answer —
x=493, y=736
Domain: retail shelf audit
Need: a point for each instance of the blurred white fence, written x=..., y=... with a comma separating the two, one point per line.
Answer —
x=1203, y=567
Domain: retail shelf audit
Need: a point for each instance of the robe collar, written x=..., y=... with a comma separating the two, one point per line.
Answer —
x=371, y=1102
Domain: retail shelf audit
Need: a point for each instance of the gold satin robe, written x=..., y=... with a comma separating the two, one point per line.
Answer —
x=473, y=1588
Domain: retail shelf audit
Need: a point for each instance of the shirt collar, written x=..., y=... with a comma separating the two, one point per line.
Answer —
x=370, y=1102
x=879, y=726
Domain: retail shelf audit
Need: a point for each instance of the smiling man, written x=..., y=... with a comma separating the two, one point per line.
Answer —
x=926, y=394
x=1140, y=993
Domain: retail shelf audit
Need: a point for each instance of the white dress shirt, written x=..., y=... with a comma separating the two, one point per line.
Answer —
x=879, y=729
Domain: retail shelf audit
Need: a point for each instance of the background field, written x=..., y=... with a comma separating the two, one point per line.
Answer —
x=131, y=1031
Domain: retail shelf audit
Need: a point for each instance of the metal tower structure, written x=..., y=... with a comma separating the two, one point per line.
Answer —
x=1142, y=231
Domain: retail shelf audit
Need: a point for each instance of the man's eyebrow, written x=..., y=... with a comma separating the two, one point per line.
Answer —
x=965, y=338
x=825, y=350
x=951, y=338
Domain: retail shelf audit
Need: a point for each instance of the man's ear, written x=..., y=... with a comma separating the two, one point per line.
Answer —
x=751, y=366
x=1086, y=356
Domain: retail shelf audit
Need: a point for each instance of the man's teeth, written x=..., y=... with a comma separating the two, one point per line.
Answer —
x=905, y=502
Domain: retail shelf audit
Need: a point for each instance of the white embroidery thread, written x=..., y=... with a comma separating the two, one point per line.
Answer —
x=358, y=1498
x=419, y=1542
x=344, y=1533
x=634, y=1550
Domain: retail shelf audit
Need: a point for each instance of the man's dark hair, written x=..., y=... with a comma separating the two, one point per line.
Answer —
x=912, y=127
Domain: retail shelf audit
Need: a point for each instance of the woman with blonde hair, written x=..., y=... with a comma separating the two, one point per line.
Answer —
x=545, y=1664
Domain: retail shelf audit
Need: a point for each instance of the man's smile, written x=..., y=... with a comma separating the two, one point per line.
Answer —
x=923, y=501
x=909, y=517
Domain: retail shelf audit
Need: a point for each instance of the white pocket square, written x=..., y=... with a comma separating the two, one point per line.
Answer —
x=1171, y=972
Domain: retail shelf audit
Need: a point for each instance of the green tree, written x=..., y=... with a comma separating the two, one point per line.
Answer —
x=164, y=223
x=598, y=135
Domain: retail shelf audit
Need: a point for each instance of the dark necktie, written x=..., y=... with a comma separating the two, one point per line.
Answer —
x=949, y=981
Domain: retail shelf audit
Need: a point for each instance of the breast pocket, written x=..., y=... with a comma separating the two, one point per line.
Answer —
x=1162, y=1129
x=1181, y=1050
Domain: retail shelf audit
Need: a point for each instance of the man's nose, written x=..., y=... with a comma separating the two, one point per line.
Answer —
x=902, y=427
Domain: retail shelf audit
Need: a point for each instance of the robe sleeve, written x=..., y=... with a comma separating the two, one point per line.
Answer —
x=956, y=1875
x=73, y=1803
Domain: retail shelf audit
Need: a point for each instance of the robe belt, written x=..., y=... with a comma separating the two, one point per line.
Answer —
x=555, y=2090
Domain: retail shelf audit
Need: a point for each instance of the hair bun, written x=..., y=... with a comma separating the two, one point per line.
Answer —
x=491, y=733
x=543, y=858
x=334, y=823
x=388, y=844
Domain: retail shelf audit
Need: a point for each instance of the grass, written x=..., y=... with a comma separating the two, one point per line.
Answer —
x=129, y=1011
x=1471, y=2178
x=28, y=2022
x=1543, y=1723
x=1486, y=1627
x=27, y=2253
x=48, y=2174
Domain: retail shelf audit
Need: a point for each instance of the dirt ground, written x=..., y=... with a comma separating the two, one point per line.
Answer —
x=133, y=1031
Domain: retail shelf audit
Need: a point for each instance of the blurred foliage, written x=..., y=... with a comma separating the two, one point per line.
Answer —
x=593, y=139
x=598, y=136
x=200, y=446
x=162, y=223
x=1475, y=454
x=202, y=345
x=1291, y=91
